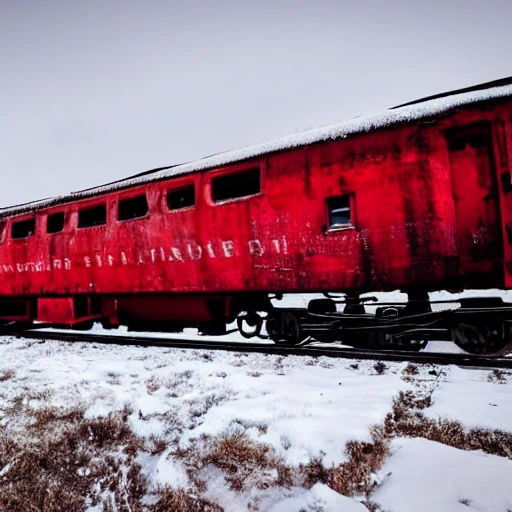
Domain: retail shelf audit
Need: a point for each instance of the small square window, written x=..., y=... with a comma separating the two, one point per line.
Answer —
x=55, y=222
x=339, y=211
x=181, y=198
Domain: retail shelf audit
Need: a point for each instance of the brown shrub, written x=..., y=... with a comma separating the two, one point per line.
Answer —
x=410, y=372
x=157, y=444
x=46, y=415
x=380, y=367
x=181, y=501
x=61, y=467
x=246, y=464
x=261, y=426
x=498, y=376
x=353, y=477
x=411, y=369
x=6, y=374
x=407, y=420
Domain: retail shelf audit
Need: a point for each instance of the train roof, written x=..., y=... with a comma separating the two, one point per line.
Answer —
x=406, y=113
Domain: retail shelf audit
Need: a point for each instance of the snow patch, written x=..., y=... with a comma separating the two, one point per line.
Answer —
x=319, y=498
x=425, y=476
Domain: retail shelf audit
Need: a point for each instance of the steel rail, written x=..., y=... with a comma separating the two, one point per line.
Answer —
x=311, y=350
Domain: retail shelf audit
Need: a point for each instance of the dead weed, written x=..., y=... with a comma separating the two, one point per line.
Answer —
x=7, y=374
x=356, y=475
x=498, y=376
x=172, y=500
x=246, y=464
x=66, y=468
x=407, y=420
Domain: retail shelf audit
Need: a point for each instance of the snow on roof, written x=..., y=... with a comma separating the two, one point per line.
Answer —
x=407, y=113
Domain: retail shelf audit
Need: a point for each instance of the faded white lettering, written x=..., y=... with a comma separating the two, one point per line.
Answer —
x=195, y=251
x=255, y=248
x=209, y=249
x=229, y=248
x=177, y=254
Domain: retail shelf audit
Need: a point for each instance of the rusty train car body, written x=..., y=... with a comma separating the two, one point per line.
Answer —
x=417, y=198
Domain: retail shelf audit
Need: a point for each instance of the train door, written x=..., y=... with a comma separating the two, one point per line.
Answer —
x=476, y=198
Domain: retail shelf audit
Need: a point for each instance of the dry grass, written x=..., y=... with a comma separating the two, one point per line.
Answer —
x=407, y=420
x=68, y=467
x=245, y=463
x=260, y=426
x=152, y=385
x=179, y=500
x=66, y=461
x=157, y=444
x=410, y=372
x=7, y=374
x=355, y=476
x=380, y=367
x=198, y=407
x=498, y=376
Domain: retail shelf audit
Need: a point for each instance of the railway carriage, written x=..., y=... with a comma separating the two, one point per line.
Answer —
x=417, y=198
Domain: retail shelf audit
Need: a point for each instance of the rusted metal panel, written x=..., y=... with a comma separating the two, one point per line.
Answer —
x=56, y=310
x=476, y=197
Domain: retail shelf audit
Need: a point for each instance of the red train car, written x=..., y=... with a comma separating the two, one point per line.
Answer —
x=417, y=197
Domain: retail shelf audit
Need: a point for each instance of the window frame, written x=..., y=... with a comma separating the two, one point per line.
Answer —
x=331, y=228
x=4, y=224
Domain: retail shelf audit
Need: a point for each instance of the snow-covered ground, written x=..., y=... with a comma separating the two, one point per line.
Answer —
x=251, y=432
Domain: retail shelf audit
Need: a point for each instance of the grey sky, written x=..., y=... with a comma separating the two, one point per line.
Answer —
x=93, y=91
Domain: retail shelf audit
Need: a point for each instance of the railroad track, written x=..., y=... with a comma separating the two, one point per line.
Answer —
x=310, y=350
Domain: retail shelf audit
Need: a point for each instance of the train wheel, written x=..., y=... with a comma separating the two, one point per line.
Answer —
x=251, y=319
x=493, y=337
x=284, y=329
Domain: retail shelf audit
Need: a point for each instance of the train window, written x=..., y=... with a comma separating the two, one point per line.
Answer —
x=476, y=136
x=181, y=198
x=236, y=185
x=23, y=228
x=55, y=222
x=132, y=208
x=92, y=216
x=2, y=231
x=339, y=211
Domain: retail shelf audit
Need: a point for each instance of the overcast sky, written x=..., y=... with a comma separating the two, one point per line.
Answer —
x=96, y=90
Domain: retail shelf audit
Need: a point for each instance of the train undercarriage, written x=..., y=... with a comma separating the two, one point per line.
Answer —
x=480, y=325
